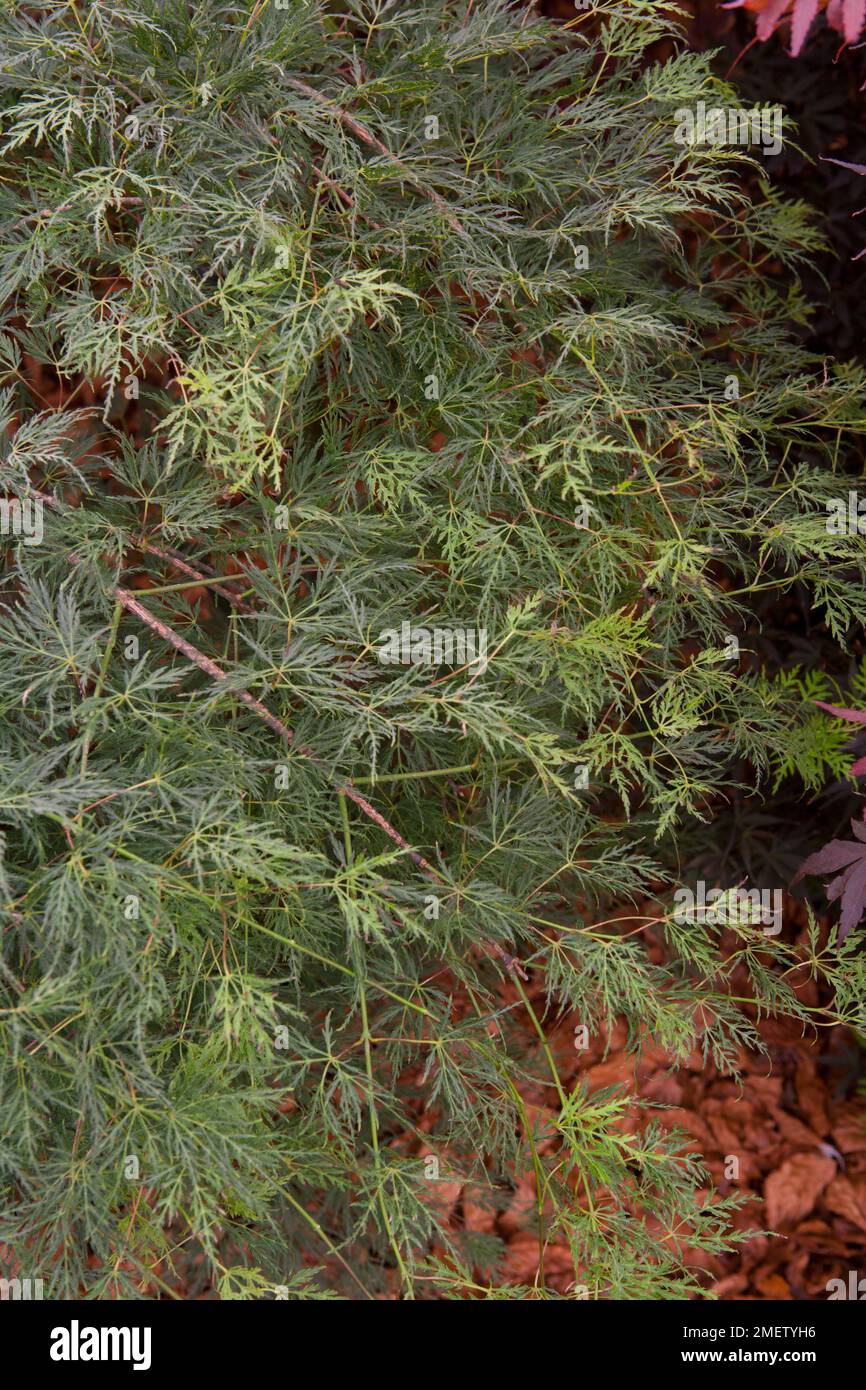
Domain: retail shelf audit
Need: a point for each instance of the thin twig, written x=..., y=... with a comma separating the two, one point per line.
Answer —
x=186, y=568
x=370, y=139
x=216, y=673
x=174, y=557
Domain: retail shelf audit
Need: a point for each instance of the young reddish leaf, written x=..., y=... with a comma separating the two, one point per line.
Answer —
x=769, y=17
x=859, y=768
x=853, y=12
x=856, y=716
x=804, y=13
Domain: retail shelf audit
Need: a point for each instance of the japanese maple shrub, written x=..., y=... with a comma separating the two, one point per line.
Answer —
x=399, y=418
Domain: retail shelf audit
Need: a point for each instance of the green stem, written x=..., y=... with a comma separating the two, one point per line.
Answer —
x=100, y=682
x=368, y=1067
x=406, y=776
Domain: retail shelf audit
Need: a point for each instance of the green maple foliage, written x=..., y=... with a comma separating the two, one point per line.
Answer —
x=392, y=314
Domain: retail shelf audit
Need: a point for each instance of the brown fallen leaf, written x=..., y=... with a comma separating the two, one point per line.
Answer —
x=794, y=1130
x=690, y=1122
x=848, y=1199
x=812, y=1096
x=478, y=1218
x=663, y=1088
x=521, y=1260
x=617, y=1071
x=774, y=1286
x=442, y=1192
x=793, y=1189
x=729, y=1286
x=729, y=1139
x=765, y=1088
x=849, y=1131
x=523, y=1205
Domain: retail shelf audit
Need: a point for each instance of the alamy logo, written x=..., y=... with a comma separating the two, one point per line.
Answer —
x=855, y=1287
x=730, y=907
x=846, y=518
x=20, y=1289
x=22, y=516
x=76, y=1343
x=433, y=646
x=734, y=126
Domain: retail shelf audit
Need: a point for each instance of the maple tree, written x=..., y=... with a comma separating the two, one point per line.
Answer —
x=316, y=325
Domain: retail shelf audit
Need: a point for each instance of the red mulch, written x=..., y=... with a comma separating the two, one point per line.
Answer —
x=790, y=1133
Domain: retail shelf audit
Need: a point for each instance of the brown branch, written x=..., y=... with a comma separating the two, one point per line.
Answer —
x=370, y=139
x=345, y=198
x=178, y=561
x=216, y=673
x=173, y=556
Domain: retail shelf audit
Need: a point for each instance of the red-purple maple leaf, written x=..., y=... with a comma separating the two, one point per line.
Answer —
x=850, y=885
x=855, y=716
